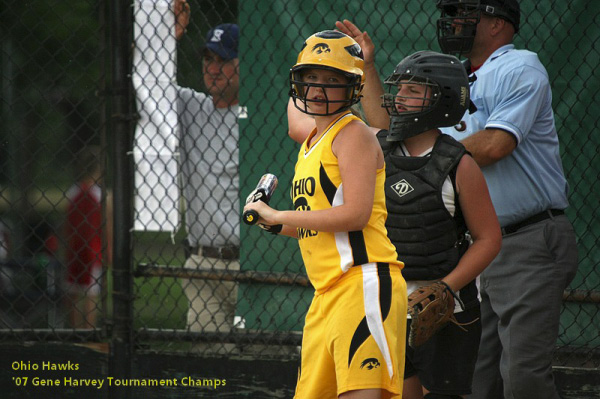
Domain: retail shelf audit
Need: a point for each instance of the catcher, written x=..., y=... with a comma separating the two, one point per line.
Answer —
x=440, y=216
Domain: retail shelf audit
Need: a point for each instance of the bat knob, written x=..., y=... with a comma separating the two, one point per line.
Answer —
x=250, y=217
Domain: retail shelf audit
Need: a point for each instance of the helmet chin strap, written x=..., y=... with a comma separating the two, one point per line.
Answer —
x=400, y=129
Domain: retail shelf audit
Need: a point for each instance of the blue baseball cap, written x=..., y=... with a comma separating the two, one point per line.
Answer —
x=223, y=40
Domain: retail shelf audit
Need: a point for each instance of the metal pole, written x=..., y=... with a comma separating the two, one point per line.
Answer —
x=121, y=351
x=12, y=143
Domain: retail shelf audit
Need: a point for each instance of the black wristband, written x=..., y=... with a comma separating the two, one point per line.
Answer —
x=273, y=229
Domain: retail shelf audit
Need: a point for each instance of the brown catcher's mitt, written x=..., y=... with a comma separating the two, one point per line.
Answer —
x=430, y=308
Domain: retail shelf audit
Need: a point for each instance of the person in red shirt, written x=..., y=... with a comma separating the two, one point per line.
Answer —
x=84, y=241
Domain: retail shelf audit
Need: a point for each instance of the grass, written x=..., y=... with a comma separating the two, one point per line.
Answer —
x=160, y=302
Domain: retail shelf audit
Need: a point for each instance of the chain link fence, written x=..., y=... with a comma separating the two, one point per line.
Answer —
x=195, y=279
x=52, y=162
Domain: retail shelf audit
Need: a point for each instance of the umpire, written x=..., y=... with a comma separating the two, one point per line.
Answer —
x=512, y=136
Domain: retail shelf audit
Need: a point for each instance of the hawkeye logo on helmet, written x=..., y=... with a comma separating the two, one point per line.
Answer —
x=321, y=48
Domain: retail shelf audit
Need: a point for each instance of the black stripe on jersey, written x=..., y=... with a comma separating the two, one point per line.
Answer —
x=328, y=187
x=385, y=288
x=385, y=303
x=359, y=248
x=357, y=239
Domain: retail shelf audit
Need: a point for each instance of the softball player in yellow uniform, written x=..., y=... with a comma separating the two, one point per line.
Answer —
x=354, y=334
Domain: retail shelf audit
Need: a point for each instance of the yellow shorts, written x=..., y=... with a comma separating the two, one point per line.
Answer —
x=354, y=335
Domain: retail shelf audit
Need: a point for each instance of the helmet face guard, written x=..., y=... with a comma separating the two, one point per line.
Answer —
x=331, y=51
x=443, y=103
x=300, y=90
x=426, y=102
x=457, y=25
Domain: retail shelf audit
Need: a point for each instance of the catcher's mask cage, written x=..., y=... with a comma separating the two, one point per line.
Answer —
x=334, y=51
x=445, y=99
x=457, y=25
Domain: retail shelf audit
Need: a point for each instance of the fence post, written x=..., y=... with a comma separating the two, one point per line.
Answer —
x=120, y=127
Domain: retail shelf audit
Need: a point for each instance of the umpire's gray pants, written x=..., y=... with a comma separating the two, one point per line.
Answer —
x=212, y=302
x=520, y=311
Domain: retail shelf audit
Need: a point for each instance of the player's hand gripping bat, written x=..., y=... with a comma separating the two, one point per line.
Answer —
x=263, y=192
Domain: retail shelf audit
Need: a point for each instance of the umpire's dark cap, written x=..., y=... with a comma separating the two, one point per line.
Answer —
x=223, y=40
x=505, y=9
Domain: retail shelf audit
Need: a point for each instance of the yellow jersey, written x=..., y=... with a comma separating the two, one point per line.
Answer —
x=317, y=185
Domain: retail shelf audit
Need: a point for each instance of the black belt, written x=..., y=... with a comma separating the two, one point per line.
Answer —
x=227, y=253
x=547, y=214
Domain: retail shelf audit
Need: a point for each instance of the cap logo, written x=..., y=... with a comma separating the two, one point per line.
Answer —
x=489, y=10
x=321, y=48
x=463, y=96
x=216, y=37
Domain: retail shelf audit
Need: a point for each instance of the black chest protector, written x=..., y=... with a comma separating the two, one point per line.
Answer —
x=428, y=239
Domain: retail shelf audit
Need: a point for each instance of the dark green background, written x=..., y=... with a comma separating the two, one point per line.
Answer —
x=564, y=34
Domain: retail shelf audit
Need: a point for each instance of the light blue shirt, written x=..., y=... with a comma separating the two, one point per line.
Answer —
x=512, y=92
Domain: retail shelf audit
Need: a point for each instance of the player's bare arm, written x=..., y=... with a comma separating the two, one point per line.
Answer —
x=481, y=221
x=182, y=17
x=371, y=102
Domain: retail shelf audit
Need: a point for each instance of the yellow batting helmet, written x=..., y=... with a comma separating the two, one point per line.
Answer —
x=330, y=50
